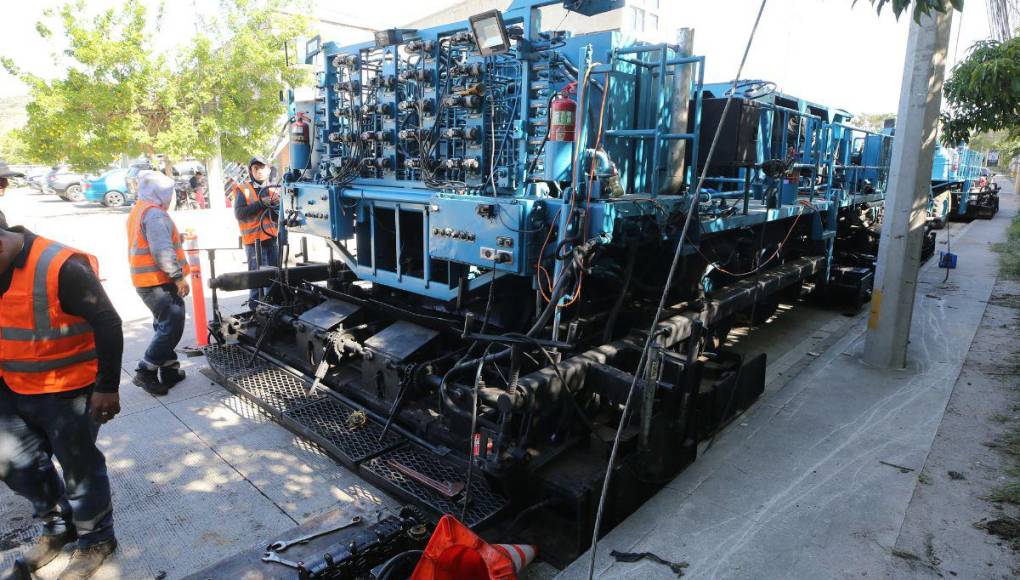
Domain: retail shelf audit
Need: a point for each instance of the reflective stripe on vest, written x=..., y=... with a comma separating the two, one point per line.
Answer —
x=42, y=348
x=261, y=227
x=145, y=272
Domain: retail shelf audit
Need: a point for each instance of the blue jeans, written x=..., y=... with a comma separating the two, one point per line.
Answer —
x=167, y=320
x=34, y=429
x=269, y=256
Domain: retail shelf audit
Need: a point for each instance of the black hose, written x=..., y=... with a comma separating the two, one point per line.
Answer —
x=390, y=566
x=615, y=312
x=545, y=139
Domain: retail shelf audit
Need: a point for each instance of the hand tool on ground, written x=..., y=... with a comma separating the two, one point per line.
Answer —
x=282, y=545
x=271, y=556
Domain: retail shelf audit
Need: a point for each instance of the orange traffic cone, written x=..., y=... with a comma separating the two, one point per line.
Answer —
x=455, y=553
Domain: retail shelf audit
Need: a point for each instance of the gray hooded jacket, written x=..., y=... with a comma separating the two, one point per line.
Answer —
x=158, y=189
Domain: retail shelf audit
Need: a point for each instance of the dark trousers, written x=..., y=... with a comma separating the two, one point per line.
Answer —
x=269, y=255
x=168, y=311
x=33, y=430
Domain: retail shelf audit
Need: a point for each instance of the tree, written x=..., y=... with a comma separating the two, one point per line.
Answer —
x=119, y=96
x=12, y=147
x=872, y=121
x=921, y=7
x=983, y=93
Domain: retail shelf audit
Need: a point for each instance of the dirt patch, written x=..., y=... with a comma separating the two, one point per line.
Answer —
x=1005, y=300
x=1005, y=528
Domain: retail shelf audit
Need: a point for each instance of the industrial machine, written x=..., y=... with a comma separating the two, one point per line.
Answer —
x=961, y=188
x=502, y=202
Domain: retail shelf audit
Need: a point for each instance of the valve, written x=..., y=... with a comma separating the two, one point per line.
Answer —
x=352, y=86
x=342, y=60
x=467, y=133
x=420, y=45
x=384, y=163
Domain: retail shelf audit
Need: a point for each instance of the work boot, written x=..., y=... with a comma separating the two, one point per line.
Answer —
x=46, y=548
x=85, y=561
x=170, y=376
x=149, y=380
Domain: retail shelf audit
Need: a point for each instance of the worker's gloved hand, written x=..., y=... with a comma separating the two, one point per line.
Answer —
x=182, y=287
x=270, y=198
x=104, y=406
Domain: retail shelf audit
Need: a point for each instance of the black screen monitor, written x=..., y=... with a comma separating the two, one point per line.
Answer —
x=490, y=33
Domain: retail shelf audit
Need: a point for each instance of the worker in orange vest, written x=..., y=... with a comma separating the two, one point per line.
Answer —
x=61, y=345
x=159, y=270
x=256, y=207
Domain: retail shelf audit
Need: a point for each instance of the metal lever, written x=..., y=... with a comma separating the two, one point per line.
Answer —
x=282, y=545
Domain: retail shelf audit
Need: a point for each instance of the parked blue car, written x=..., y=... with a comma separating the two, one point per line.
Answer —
x=109, y=189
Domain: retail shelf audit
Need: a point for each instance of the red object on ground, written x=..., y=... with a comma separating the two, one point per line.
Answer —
x=197, y=291
x=455, y=553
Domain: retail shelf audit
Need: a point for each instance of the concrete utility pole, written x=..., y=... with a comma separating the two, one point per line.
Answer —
x=899, y=253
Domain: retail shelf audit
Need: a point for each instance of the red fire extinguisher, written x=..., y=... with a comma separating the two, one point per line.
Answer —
x=562, y=112
x=300, y=151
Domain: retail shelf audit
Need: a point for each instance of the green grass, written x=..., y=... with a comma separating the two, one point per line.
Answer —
x=1008, y=492
x=1009, y=251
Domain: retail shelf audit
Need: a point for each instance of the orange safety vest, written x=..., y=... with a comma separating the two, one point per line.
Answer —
x=145, y=272
x=42, y=348
x=259, y=228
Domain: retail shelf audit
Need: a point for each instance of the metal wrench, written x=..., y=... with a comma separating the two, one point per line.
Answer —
x=271, y=556
x=282, y=545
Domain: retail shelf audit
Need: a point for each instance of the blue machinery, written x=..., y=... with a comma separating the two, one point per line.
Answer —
x=473, y=337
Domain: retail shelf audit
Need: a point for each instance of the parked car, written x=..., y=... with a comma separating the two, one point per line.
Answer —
x=30, y=171
x=65, y=183
x=109, y=189
x=37, y=181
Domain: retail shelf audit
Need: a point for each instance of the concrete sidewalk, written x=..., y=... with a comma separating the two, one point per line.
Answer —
x=197, y=475
x=806, y=484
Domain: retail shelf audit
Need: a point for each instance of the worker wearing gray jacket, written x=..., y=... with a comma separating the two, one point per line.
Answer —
x=159, y=272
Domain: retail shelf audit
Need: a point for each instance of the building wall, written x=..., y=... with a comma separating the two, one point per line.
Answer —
x=639, y=18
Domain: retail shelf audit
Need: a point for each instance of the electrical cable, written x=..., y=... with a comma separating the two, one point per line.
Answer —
x=474, y=433
x=662, y=304
x=388, y=568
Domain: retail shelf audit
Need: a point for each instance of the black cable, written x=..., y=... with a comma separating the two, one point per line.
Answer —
x=473, y=434
x=545, y=138
x=607, y=333
x=390, y=566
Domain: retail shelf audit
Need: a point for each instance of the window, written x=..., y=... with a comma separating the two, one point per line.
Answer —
x=637, y=19
x=652, y=21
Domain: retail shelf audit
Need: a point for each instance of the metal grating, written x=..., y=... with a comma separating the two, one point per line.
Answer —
x=231, y=359
x=325, y=422
x=273, y=389
x=485, y=502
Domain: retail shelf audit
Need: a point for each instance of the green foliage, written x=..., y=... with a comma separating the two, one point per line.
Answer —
x=120, y=96
x=921, y=7
x=13, y=148
x=872, y=121
x=1009, y=259
x=983, y=92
